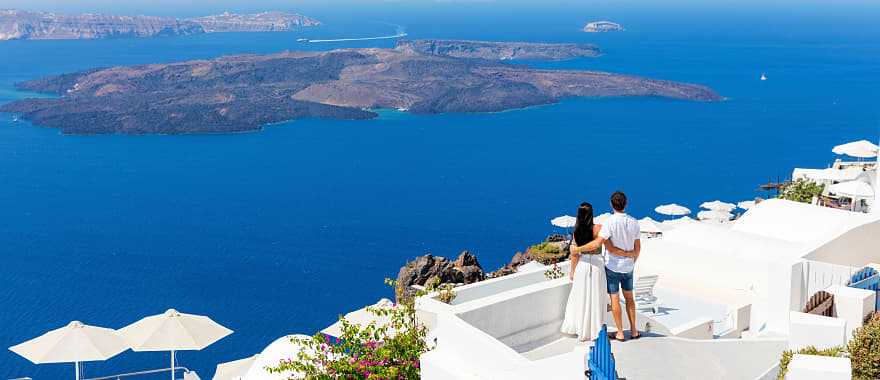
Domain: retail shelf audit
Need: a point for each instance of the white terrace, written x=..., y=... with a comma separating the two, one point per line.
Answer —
x=728, y=293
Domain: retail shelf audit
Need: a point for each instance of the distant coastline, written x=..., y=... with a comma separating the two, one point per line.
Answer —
x=24, y=25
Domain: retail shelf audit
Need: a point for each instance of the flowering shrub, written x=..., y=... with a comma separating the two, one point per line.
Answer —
x=375, y=351
x=445, y=292
x=554, y=272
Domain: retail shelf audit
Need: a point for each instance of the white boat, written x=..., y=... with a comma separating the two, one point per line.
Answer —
x=763, y=77
x=302, y=40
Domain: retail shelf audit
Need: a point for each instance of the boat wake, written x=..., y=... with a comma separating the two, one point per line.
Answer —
x=400, y=34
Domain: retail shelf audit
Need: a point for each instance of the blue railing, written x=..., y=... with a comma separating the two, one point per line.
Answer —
x=869, y=283
x=863, y=274
x=600, y=364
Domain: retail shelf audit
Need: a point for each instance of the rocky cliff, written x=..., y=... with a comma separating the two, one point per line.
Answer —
x=23, y=25
x=258, y=22
x=499, y=50
x=15, y=24
x=425, y=269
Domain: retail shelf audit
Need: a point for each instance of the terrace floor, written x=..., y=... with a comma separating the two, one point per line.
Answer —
x=659, y=357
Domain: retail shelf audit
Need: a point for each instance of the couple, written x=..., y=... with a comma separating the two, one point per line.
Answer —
x=595, y=277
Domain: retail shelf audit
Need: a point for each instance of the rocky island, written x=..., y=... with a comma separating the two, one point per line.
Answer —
x=23, y=25
x=499, y=50
x=602, y=26
x=243, y=93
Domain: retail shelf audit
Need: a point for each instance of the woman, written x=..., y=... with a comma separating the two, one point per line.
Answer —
x=585, y=310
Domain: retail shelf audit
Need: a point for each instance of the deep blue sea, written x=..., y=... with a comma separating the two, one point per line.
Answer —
x=279, y=231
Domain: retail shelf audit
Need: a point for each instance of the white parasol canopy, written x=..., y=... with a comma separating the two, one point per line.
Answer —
x=672, y=209
x=853, y=189
x=720, y=215
x=283, y=348
x=173, y=331
x=651, y=226
x=74, y=343
x=234, y=370
x=601, y=218
x=361, y=317
x=718, y=206
x=669, y=224
x=565, y=221
x=858, y=149
x=746, y=205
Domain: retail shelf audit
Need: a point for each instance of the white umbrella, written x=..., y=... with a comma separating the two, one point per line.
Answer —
x=74, y=343
x=234, y=370
x=746, y=205
x=565, y=221
x=361, y=317
x=718, y=206
x=602, y=218
x=173, y=331
x=672, y=209
x=651, y=226
x=678, y=222
x=714, y=215
x=853, y=189
x=283, y=348
x=858, y=149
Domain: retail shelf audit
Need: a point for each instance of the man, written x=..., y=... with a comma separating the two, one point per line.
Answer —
x=619, y=231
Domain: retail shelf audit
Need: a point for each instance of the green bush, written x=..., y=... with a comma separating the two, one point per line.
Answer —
x=387, y=351
x=787, y=355
x=864, y=350
x=801, y=191
x=547, y=253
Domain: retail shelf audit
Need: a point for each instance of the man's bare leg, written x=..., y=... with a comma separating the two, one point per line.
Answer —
x=617, y=314
x=630, y=312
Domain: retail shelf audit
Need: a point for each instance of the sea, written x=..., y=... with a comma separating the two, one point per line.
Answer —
x=279, y=231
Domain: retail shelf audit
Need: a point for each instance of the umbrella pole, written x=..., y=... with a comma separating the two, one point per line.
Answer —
x=172, y=364
x=76, y=368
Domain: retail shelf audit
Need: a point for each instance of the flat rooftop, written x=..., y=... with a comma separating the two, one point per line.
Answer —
x=649, y=356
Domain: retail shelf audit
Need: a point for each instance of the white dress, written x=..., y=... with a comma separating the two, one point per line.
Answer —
x=585, y=310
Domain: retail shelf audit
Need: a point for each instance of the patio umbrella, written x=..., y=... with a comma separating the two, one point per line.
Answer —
x=361, y=317
x=858, y=149
x=602, y=218
x=234, y=370
x=650, y=226
x=746, y=205
x=74, y=343
x=281, y=349
x=718, y=206
x=672, y=209
x=678, y=222
x=852, y=189
x=565, y=221
x=714, y=215
x=173, y=331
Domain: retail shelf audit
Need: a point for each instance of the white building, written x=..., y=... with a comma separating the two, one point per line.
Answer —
x=732, y=297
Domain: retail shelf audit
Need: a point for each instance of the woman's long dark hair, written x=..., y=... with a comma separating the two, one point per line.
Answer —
x=583, y=226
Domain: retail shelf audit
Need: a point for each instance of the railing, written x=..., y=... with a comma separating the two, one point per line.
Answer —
x=869, y=283
x=601, y=364
x=140, y=373
x=863, y=274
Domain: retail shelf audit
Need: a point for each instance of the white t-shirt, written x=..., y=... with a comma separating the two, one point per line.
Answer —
x=623, y=231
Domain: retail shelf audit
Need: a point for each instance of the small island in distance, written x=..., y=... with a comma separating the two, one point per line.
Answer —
x=24, y=25
x=603, y=26
x=246, y=92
